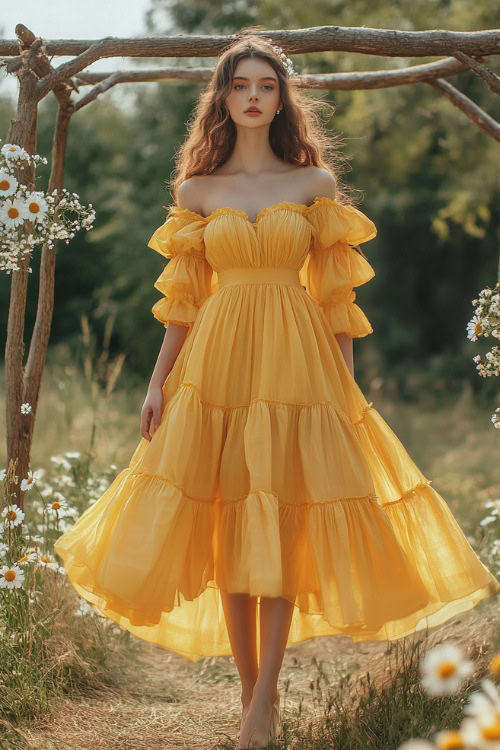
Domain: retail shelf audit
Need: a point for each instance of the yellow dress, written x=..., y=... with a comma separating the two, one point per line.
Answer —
x=269, y=473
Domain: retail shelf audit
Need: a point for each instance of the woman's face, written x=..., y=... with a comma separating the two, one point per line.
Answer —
x=255, y=84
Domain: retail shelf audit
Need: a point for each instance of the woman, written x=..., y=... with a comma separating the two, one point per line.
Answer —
x=264, y=481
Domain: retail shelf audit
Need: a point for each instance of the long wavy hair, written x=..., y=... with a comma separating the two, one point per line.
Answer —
x=297, y=136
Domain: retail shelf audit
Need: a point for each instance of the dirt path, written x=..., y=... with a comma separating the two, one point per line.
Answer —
x=177, y=704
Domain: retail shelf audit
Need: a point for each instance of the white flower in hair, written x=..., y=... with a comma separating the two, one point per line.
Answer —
x=288, y=64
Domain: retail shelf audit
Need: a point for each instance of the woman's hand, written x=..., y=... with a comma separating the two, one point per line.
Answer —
x=151, y=412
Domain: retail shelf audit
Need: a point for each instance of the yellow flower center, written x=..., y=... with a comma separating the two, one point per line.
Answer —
x=12, y=148
x=56, y=505
x=23, y=559
x=453, y=741
x=34, y=207
x=478, y=328
x=29, y=480
x=13, y=213
x=4, y=184
x=10, y=575
x=45, y=559
x=11, y=515
x=492, y=732
x=447, y=669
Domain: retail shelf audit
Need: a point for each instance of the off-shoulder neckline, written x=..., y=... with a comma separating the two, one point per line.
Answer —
x=301, y=208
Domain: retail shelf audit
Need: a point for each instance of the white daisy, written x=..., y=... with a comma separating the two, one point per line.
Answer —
x=25, y=408
x=444, y=668
x=30, y=481
x=59, y=507
x=416, y=745
x=13, y=515
x=84, y=609
x=72, y=454
x=36, y=205
x=60, y=461
x=487, y=519
x=483, y=702
x=474, y=328
x=47, y=562
x=13, y=212
x=14, y=152
x=11, y=578
x=449, y=739
x=29, y=557
x=3, y=548
x=3, y=474
x=482, y=733
x=8, y=183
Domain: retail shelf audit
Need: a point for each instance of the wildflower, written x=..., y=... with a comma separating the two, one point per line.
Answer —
x=14, y=152
x=72, y=454
x=449, y=740
x=3, y=474
x=444, y=668
x=482, y=733
x=474, y=328
x=11, y=578
x=486, y=520
x=29, y=557
x=13, y=515
x=36, y=206
x=8, y=184
x=416, y=745
x=13, y=212
x=46, y=562
x=30, y=481
x=484, y=703
x=25, y=408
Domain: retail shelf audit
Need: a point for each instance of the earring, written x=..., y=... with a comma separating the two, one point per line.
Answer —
x=278, y=111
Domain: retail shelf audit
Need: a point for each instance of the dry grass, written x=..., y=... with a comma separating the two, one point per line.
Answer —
x=171, y=703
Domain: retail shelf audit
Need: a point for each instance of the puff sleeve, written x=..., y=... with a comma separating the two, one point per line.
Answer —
x=187, y=277
x=333, y=267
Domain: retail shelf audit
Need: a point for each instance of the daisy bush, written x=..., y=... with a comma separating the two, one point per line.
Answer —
x=444, y=671
x=486, y=322
x=30, y=218
x=51, y=640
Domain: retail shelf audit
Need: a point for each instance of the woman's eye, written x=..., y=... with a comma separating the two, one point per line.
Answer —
x=266, y=86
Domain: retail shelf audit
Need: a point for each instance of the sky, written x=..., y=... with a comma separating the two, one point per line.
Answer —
x=68, y=19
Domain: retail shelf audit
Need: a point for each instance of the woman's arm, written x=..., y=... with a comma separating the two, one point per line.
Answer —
x=345, y=343
x=152, y=408
x=170, y=348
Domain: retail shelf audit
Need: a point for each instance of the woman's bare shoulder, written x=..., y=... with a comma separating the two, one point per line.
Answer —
x=189, y=193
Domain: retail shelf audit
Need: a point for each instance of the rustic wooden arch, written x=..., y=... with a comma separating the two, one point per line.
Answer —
x=28, y=59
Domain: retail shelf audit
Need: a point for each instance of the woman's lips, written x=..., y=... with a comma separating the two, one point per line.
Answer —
x=252, y=112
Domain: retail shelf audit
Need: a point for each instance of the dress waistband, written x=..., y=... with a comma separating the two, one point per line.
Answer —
x=258, y=275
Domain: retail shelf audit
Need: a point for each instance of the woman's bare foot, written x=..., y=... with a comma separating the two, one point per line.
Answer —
x=257, y=724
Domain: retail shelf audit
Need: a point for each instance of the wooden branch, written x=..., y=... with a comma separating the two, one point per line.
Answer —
x=101, y=88
x=51, y=80
x=333, y=81
x=470, y=108
x=480, y=70
x=19, y=426
x=365, y=41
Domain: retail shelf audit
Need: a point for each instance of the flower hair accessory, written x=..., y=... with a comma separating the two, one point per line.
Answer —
x=287, y=63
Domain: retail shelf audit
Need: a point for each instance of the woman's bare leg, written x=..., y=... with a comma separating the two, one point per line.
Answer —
x=240, y=611
x=275, y=620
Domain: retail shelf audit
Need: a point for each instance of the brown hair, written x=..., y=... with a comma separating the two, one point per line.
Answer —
x=296, y=136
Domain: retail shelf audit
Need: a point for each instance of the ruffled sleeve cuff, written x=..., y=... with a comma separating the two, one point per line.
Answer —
x=334, y=267
x=186, y=280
